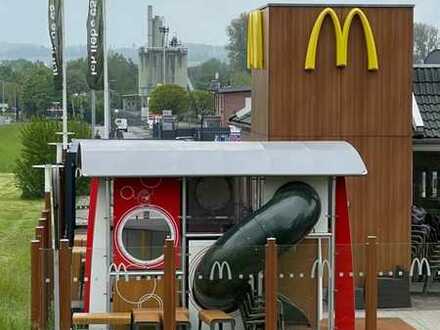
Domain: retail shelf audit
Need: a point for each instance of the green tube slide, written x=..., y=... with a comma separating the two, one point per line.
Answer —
x=221, y=278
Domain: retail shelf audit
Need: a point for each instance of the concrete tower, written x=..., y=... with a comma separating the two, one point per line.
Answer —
x=161, y=61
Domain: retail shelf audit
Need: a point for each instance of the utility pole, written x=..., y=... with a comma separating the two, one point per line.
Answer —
x=164, y=30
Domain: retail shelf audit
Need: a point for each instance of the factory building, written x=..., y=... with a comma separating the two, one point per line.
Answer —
x=163, y=60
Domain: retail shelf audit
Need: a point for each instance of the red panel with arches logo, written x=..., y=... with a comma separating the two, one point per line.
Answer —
x=146, y=212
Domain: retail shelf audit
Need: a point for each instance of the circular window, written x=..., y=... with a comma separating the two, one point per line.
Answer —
x=142, y=233
x=213, y=194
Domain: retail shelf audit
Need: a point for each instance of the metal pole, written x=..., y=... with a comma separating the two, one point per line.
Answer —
x=164, y=61
x=319, y=284
x=183, y=249
x=93, y=112
x=65, y=132
x=107, y=114
x=108, y=230
x=3, y=95
x=332, y=251
x=56, y=278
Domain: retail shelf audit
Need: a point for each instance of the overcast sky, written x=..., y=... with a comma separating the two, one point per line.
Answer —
x=203, y=21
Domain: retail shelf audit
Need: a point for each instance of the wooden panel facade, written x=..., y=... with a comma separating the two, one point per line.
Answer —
x=260, y=93
x=371, y=109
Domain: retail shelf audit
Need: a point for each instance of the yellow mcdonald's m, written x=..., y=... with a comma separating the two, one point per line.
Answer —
x=342, y=34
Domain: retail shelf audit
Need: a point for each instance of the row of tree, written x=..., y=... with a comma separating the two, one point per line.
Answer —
x=31, y=84
x=426, y=39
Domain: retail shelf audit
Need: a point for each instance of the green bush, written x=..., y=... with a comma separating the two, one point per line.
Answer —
x=169, y=97
x=35, y=137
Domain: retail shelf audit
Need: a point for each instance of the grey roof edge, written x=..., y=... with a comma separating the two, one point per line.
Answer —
x=425, y=66
x=430, y=141
x=103, y=158
x=242, y=89
x=342, y=5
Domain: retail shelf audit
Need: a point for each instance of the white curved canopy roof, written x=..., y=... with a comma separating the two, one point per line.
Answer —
x=119, y=158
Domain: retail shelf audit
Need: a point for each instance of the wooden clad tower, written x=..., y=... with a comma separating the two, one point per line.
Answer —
x=369, y=108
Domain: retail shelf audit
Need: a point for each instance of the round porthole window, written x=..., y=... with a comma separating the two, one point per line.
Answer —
x=141, y=235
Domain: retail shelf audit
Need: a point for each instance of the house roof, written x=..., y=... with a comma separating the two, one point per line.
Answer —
x=243, y=118
x=426, y=88
x=225, y=90
x=134, y=158
x=433, y=57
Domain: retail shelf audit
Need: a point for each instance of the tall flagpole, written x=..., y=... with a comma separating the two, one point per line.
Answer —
x=107, y=113
x=93, y=96
x=63, y=26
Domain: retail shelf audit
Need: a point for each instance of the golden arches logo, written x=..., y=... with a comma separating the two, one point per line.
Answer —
x=341, y=35
x=255, y=40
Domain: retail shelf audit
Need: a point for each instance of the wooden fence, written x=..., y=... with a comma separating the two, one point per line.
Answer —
x=42, y=276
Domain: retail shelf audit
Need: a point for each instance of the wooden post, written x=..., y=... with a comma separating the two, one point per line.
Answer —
x=371, y=285
x=65, y=285
x=42, y=222
x=48, y=244
x=39, y=234
x=47, y=200
x=169, y=306
x=35, y=285
x=271, y=285
x=46, y=214
x=44, y=291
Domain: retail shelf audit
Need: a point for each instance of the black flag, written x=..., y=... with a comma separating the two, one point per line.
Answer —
x=56, y=38
x=95, y=45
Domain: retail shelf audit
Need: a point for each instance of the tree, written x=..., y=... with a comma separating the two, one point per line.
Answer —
x=35, y=137
x=241, y=78
x=38, y=90
x=202, y=75
x=77, y=76
x=202, y=103
x=426, y=39
x=123, y=74
x=169, y=97
x=237, y=47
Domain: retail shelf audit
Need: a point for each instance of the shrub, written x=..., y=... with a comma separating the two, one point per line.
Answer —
x=35, y=137
x=169, y=97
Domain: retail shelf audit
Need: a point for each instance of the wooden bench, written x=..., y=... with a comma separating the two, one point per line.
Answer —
x=215, y=317
x=182, y=318
x=154, y=317
x=148, y=317
x=101, y=318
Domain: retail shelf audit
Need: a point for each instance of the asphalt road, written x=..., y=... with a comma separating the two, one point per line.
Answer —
x=136, y=133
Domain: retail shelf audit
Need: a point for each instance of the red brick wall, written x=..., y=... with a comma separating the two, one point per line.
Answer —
x=226, y=104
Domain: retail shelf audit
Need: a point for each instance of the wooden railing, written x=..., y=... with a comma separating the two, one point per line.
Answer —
x=42, y=270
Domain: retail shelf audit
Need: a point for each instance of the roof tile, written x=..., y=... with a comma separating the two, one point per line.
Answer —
x=426, y=88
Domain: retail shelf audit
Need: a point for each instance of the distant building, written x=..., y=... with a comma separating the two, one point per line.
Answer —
x=229, y=100
x=152, y=69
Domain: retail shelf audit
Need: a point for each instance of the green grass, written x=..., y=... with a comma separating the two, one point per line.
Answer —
x=18, y=219
x=10, y=146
